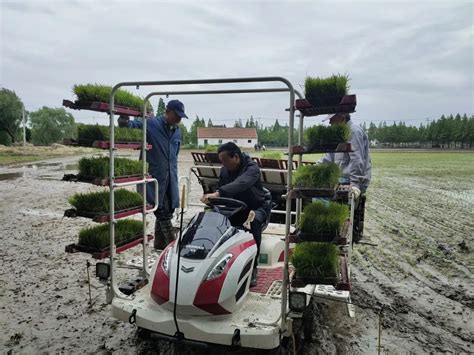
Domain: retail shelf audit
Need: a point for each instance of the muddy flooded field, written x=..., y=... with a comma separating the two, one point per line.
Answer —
x=417, y=266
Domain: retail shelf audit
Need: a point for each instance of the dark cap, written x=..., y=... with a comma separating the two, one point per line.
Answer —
x=176, y=106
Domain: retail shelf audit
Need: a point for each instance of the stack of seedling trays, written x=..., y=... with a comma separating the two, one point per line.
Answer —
x=319, y=263
x=325, y=139
x=97, y=97
x=318, y=257
x=96, y=205
x=95, y=170
x=319, y=180
x=95, y=240
x=326, y=96
x=98, y=137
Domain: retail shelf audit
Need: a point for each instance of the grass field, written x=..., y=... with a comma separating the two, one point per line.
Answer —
x=15, y=155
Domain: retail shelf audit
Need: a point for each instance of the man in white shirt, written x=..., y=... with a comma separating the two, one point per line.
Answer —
x=356, y=167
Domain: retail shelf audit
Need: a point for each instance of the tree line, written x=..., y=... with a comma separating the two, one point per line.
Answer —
x=51, y=125
x=446, y=132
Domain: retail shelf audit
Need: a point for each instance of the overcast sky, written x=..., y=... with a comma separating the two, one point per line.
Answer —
x=407, y=60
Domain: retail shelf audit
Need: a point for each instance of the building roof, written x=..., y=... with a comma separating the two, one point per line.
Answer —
x=234, y=133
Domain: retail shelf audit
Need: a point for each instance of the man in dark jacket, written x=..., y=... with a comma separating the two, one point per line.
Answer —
x=240, y=179
x=164, y=135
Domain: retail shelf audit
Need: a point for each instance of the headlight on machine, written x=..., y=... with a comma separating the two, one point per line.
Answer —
x=167, y=260
x=297, y=301
x=219, y=268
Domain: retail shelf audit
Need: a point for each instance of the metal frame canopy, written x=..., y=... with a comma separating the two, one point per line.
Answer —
x=289, y=88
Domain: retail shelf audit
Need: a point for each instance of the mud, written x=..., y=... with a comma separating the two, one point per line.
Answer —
x=420, y=292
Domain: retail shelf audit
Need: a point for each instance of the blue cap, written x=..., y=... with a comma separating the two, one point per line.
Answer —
x=176, y=106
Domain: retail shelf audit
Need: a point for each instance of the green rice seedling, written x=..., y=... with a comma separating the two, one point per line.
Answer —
x=98, y=167
x=314, y=259
x=97, y=203
x=320, y=136
x=319, y=176
x=272, y=155
x=321, y=92
x=98, y=236
x=92, y=133
x=323, y=218
x=101, y=93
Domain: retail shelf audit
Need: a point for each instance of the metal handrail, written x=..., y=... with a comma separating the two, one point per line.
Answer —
x=289, y=89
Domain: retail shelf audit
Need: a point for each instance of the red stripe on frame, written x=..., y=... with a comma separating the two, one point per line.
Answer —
x=160, y=291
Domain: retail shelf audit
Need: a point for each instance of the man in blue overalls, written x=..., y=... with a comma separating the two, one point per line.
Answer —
x=165, y=137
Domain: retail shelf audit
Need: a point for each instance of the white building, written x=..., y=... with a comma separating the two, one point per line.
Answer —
x=243, y=137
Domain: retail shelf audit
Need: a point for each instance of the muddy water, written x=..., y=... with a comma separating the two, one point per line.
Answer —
x=417, y=272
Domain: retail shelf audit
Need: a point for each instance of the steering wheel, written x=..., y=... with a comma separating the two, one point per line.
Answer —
x=226, y=206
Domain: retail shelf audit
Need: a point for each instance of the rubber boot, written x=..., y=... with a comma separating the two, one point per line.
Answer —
x=160, y=239
x=253, y=280
x=168, y=231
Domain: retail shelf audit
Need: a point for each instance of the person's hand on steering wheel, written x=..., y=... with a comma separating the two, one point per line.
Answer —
x=205, y=198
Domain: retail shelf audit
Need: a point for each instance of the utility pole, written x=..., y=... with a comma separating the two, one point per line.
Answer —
x=24, y=126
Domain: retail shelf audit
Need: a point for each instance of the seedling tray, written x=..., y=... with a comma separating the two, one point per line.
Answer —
x=299, y=192
x=330, y=148
x=340, y=239
x=347, y=105
x=103, y=144
x=105, y=252
x=101, y=107
x=119, y=145
x=341, y=283
x=101, y=181
x=103, y=218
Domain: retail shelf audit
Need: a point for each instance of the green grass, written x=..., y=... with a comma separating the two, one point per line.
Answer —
x=323, y=218
x=211, y=148
x=98, y=202
x=6, y=158
x=101, y=93
x=326, y=91
x=102, y=133
x=272, y=155
x=320, y=135
x=98, y=236
x=317, y=176
x=316, y=259
x=99, y=167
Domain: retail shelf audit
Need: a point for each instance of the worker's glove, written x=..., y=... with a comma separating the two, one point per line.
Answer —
x=355, y=191
x=249, y=220
x=123, y=121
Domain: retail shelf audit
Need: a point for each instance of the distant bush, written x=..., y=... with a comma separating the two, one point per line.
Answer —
x=211, y=148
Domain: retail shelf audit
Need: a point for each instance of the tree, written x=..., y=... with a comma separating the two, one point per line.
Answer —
x=185, y=138
x=238, y=124
x=160, y=110
x=197, y=123
x=51, y=125
x=209, y=123
x=11, y=109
